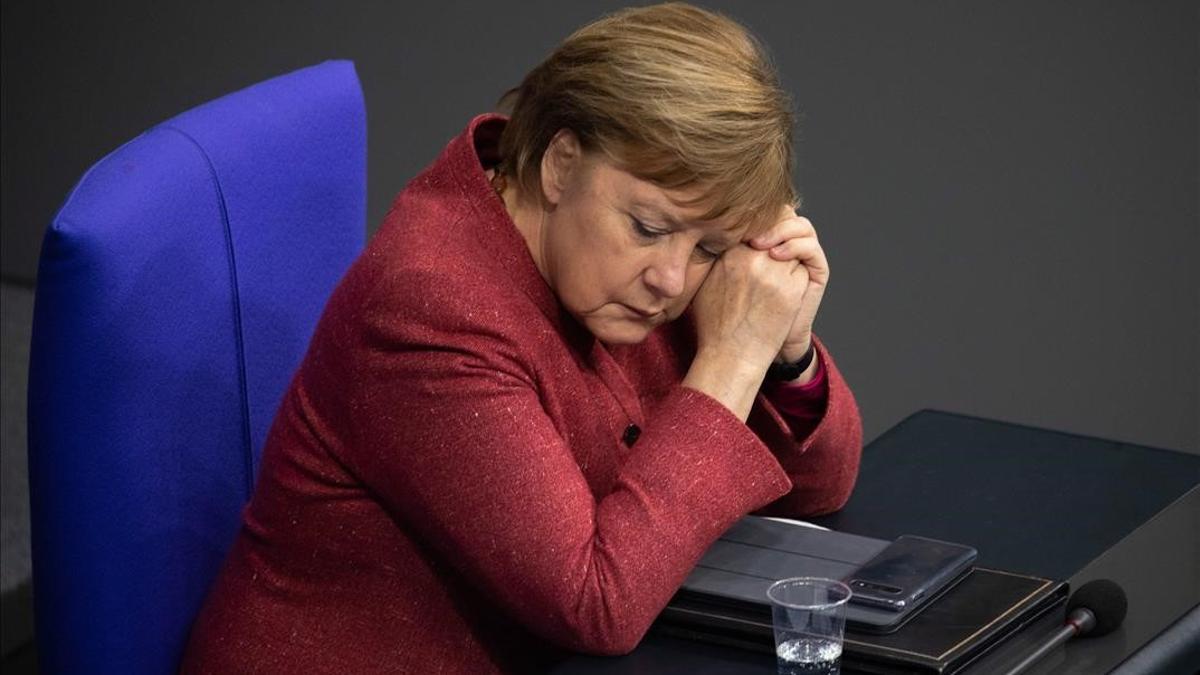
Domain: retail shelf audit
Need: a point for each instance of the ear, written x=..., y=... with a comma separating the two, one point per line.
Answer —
x=560, y=163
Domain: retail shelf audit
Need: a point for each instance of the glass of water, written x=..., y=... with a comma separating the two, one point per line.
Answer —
x=810, y=618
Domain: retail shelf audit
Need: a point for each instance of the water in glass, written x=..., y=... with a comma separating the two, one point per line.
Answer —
x=809, y=656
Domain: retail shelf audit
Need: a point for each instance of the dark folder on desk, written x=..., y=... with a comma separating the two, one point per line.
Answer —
x=724, y=600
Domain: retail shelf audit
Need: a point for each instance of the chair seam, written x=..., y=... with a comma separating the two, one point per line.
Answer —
x=239, y=340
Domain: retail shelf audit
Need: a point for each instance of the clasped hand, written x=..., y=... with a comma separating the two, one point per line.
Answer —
x=762, y=296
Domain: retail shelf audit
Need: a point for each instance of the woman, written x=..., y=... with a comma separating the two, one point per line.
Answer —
x=508, y=440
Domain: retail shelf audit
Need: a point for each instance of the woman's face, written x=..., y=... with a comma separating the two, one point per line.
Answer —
x=622, y=257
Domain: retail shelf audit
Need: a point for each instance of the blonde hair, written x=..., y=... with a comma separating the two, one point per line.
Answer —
x=676, y=95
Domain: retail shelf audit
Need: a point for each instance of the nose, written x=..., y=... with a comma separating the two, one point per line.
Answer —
x=667, y=272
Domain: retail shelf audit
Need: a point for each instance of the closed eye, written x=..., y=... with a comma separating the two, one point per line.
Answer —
x=645, y=231
x=700, y=253
x=706, y=255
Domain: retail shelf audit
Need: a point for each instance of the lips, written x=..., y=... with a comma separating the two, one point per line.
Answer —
x=644, y=313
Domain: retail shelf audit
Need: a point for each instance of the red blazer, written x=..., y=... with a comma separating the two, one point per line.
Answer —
x=445, y=488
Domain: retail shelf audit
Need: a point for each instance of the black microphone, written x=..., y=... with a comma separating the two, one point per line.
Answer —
x=1096, y=609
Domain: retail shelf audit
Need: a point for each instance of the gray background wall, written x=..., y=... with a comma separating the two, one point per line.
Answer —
x=1007, y=190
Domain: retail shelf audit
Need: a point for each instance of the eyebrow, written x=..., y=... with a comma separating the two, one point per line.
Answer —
x=657, y=212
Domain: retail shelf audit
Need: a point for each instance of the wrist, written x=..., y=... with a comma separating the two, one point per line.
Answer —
x=809, y=375
x=797, y=371
x=731, y=377
x=792, y=352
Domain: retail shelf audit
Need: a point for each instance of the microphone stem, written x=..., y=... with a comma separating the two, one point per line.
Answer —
x=1065, y=633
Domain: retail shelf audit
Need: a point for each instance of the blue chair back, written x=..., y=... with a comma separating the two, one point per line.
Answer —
x=177, y=290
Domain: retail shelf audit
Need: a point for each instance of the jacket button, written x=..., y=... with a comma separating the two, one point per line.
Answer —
x=632, y=432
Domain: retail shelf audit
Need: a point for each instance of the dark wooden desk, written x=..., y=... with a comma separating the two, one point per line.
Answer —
x=1031, y=500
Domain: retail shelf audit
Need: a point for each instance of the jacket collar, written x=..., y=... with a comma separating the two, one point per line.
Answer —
x=467, y=157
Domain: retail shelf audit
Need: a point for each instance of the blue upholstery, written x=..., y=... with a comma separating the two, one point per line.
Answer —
x=177, y=290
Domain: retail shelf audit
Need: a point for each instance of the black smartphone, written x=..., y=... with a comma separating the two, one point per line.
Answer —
x=909, y=569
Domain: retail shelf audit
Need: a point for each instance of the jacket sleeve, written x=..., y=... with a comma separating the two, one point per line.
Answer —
x=823, y=465
x=445, y=424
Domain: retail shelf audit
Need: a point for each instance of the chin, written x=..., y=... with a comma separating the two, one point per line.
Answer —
x=619, y=332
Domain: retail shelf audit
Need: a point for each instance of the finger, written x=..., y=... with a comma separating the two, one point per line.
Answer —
x=789, y=228
x=808, y=252
x=804, y=249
